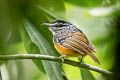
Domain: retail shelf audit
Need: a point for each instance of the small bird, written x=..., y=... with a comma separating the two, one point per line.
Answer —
x=69, y=40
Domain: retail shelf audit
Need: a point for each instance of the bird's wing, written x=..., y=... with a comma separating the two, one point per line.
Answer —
x=79, y=43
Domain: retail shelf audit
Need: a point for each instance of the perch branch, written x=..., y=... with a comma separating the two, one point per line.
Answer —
x=56, y=59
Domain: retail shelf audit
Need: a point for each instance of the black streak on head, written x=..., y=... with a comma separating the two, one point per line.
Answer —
x=59, y=21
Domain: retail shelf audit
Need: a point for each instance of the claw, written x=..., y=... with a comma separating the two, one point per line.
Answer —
x=62, y=58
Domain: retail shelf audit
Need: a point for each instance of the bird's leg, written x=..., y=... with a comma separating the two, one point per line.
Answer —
x=62, y=58
x=80, y=59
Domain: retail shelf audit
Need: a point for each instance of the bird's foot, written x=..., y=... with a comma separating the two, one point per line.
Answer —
x=62, y=58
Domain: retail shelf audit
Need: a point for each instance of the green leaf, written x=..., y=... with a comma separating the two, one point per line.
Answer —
x=30, y=47
x=86, y=74
x=54, y=8
x=53, y=69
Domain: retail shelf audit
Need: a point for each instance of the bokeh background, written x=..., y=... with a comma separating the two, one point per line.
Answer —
x=21, y=33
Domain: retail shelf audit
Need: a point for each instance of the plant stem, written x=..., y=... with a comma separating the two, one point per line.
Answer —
x=56, y=59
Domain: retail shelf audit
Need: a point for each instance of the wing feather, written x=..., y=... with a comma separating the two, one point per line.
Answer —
x=72, y=48
x=78, y=42
x=76, y=46
x=83, y=38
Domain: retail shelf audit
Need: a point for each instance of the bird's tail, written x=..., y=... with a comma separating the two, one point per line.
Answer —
x=94, y=58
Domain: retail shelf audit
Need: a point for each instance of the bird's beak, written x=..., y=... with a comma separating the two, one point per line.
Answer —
x=48, y=24
x=45, y=24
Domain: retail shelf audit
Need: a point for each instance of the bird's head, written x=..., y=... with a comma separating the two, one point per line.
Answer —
x=60, y=26
x=57, y=26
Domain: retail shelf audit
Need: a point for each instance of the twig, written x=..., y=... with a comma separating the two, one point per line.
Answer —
x=56, y=59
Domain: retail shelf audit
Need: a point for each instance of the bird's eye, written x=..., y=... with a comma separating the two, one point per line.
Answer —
x=58, y=25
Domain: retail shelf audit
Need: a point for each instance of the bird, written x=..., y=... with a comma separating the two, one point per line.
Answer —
x=69, y=40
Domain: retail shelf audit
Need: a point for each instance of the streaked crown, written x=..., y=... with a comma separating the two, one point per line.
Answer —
x=59, y=26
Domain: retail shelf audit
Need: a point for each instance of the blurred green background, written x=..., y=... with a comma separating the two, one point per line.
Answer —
x=20, y=32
